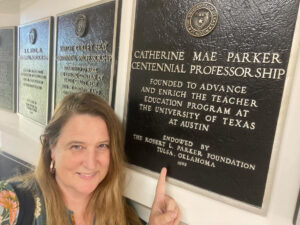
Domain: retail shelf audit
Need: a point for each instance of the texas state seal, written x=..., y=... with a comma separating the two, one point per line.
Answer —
x=201, y=19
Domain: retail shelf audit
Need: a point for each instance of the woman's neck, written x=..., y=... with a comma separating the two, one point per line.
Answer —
x=78, y=205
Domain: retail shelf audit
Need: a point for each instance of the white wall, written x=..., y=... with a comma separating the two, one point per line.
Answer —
x=7, y=20
x=9, y=13
x=19, y=137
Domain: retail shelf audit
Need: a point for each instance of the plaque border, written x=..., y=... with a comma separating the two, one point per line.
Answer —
x=17, y=160
x=50, y=68
x=284, y=104
x=14, y=69
x=115, y=48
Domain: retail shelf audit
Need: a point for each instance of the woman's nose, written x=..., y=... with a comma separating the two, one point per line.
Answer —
x=90, y=159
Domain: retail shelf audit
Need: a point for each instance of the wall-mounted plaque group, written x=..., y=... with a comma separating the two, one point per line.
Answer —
x=85, y=51
x=85, y=59
x=7, y=67
x=205, y=91
x=34, y=76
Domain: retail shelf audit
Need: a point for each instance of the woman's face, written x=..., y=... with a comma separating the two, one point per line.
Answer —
x=81, y=154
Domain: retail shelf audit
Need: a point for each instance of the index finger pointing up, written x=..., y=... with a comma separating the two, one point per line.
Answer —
x=160, y=188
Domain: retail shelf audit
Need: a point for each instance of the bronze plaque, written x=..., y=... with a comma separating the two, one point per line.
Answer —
x=205, y=91
x=7, y=67
x=85, y=57
x=35, y=69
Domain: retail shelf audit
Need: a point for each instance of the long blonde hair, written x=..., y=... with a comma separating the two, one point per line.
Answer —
x=106, y=203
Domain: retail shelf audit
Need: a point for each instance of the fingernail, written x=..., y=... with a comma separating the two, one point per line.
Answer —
x=173, y=215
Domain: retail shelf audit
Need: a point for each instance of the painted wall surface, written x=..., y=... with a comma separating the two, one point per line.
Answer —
x=20, y=137
x=9, y=12
x=9, y=19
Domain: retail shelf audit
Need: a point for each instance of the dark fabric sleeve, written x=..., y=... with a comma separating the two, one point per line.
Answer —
x=26, y=205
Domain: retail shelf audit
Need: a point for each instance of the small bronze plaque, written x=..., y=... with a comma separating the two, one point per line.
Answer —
x=7, y=67
x=201, y=19
x=85, y=41
x=32, y=36
x=35, y=69
x=80, y=25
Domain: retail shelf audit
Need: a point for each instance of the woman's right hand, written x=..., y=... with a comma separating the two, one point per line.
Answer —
x=165, y=210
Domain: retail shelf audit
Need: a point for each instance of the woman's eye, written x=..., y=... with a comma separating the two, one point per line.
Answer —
x=103, y=146
x=76, y=147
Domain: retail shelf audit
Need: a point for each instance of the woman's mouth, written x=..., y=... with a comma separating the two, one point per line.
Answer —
x=86, y=176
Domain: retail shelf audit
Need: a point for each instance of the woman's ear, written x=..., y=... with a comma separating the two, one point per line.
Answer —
x=52, y=153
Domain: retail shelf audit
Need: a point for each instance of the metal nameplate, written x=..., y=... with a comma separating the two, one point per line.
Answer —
x=85, y=51
x=7, y=67
x=35, y=70
x=205, y=91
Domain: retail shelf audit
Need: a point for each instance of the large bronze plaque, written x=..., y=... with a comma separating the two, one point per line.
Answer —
x=85, y=47
x=35, y=70
x=7, y=67
x=205, y=91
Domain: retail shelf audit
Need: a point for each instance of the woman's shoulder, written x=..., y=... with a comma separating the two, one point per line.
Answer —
x=9, y=204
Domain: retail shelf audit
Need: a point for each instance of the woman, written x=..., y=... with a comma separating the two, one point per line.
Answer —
x=79, y=178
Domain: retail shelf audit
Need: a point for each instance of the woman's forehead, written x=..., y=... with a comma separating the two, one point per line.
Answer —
x=84, y=125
